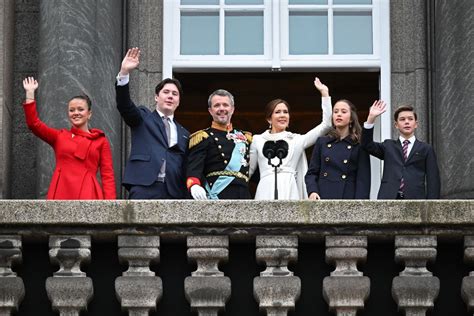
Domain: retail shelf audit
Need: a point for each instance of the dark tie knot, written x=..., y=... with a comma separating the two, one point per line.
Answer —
x=406, y=142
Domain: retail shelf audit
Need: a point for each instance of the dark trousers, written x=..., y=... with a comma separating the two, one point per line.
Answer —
x=156, y=191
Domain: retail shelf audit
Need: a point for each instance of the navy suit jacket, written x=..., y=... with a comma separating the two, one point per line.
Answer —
x=420, y=172
x=150, y=147
x=338, y=169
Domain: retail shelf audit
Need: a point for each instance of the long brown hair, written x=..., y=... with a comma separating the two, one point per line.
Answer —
x=355, y=130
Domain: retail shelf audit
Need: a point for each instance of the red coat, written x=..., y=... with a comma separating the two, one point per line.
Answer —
x=78, y=156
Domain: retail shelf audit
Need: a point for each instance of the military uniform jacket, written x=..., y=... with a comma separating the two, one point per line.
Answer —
x=211, y=150
x=339, y=169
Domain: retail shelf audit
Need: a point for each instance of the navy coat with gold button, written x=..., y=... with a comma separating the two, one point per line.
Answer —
x=339, y=169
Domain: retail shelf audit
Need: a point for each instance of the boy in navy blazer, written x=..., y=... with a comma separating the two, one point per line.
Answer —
x=158, y=157
x=410, y=166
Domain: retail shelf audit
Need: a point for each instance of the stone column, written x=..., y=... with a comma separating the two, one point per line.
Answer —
x=346, y=289
x=409, y=63
x=454, y=89
x=80, y=52
x=207, y=289
x=467, y=288
x=276, y=289
x=12, y=289
x=139, y=289
x=415, y=289
x=69, y=290
x=7, y=17
x=144, y=30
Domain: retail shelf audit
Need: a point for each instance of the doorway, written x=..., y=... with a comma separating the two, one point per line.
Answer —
x=252, y=91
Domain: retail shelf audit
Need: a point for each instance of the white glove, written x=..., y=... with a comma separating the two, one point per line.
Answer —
x=198, y=192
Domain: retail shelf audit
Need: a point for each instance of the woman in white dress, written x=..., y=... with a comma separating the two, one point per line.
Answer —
x=290, y=175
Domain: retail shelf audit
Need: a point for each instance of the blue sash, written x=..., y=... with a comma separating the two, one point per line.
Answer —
x=234, y=165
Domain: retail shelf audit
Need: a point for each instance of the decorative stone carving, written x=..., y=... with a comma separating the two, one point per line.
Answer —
x=139, y=289
x=467, y=288
x=415, y=289
x=207, y=289
x=69, y=290
x=12, y=289
x=346, y=289
x=276, y=289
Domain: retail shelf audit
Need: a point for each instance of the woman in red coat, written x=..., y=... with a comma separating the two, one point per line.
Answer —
x=79, y=151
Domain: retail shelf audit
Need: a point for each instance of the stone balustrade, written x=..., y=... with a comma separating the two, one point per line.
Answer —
x=275, y=230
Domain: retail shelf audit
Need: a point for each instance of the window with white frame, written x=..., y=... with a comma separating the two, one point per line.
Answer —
x=272, y=33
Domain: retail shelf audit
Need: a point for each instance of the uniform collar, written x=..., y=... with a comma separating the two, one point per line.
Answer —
x=228, y=128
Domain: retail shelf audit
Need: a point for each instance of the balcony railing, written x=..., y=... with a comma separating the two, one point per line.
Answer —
x=400, y=235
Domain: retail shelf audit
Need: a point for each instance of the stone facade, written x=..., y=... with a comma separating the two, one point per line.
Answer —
x=431, y=68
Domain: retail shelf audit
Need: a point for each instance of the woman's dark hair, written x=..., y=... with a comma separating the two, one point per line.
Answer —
x=84, y=97
x=355, y=130
x=176, y=82
x=270, y=107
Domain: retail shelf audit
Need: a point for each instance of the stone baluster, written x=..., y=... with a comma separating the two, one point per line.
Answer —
x=207, y=289
x=276, y=289
x=415, y=289
x=467, y=288
x=12, y=289
x=139, y=289
x=346, y=289
x=69, y=289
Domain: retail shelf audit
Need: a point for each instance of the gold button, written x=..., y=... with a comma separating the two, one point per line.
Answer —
x=219, y=146
x=223, y=155
x=325, y=174
x=327, y=159
x=349, y=147
x=329, y=145
x=345, y=160
x=225, y=161
x=216, y=139
x=343, y=176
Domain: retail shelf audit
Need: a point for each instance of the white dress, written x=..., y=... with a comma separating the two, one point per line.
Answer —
x=290, y=175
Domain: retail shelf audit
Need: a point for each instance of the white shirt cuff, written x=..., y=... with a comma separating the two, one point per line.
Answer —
x=368, y=125
x=122, y=79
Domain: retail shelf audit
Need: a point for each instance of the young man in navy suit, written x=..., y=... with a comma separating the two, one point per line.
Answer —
x=410, y=166
x=157, y=163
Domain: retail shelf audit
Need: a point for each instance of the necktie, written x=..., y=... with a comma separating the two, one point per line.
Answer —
x=405, y=157
x=166, y=123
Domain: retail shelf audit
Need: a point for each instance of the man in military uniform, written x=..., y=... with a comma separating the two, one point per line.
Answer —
x=218, y=161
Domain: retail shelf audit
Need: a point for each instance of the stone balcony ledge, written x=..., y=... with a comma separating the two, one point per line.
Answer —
x=450, y=218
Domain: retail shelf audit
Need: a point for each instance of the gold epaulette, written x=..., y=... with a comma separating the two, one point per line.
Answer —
x=197, y=137
x=248, y=135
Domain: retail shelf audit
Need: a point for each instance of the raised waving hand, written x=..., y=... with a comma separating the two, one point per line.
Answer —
x=130, y=61
x=30, y=85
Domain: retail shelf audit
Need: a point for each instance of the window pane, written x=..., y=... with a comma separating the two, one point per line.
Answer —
x=307, y=1
x=199, y=33
x=199, y=1
x=244, y=33
x=308, y=33
x=352, y=1
x=243, y=1
x=352, y=33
